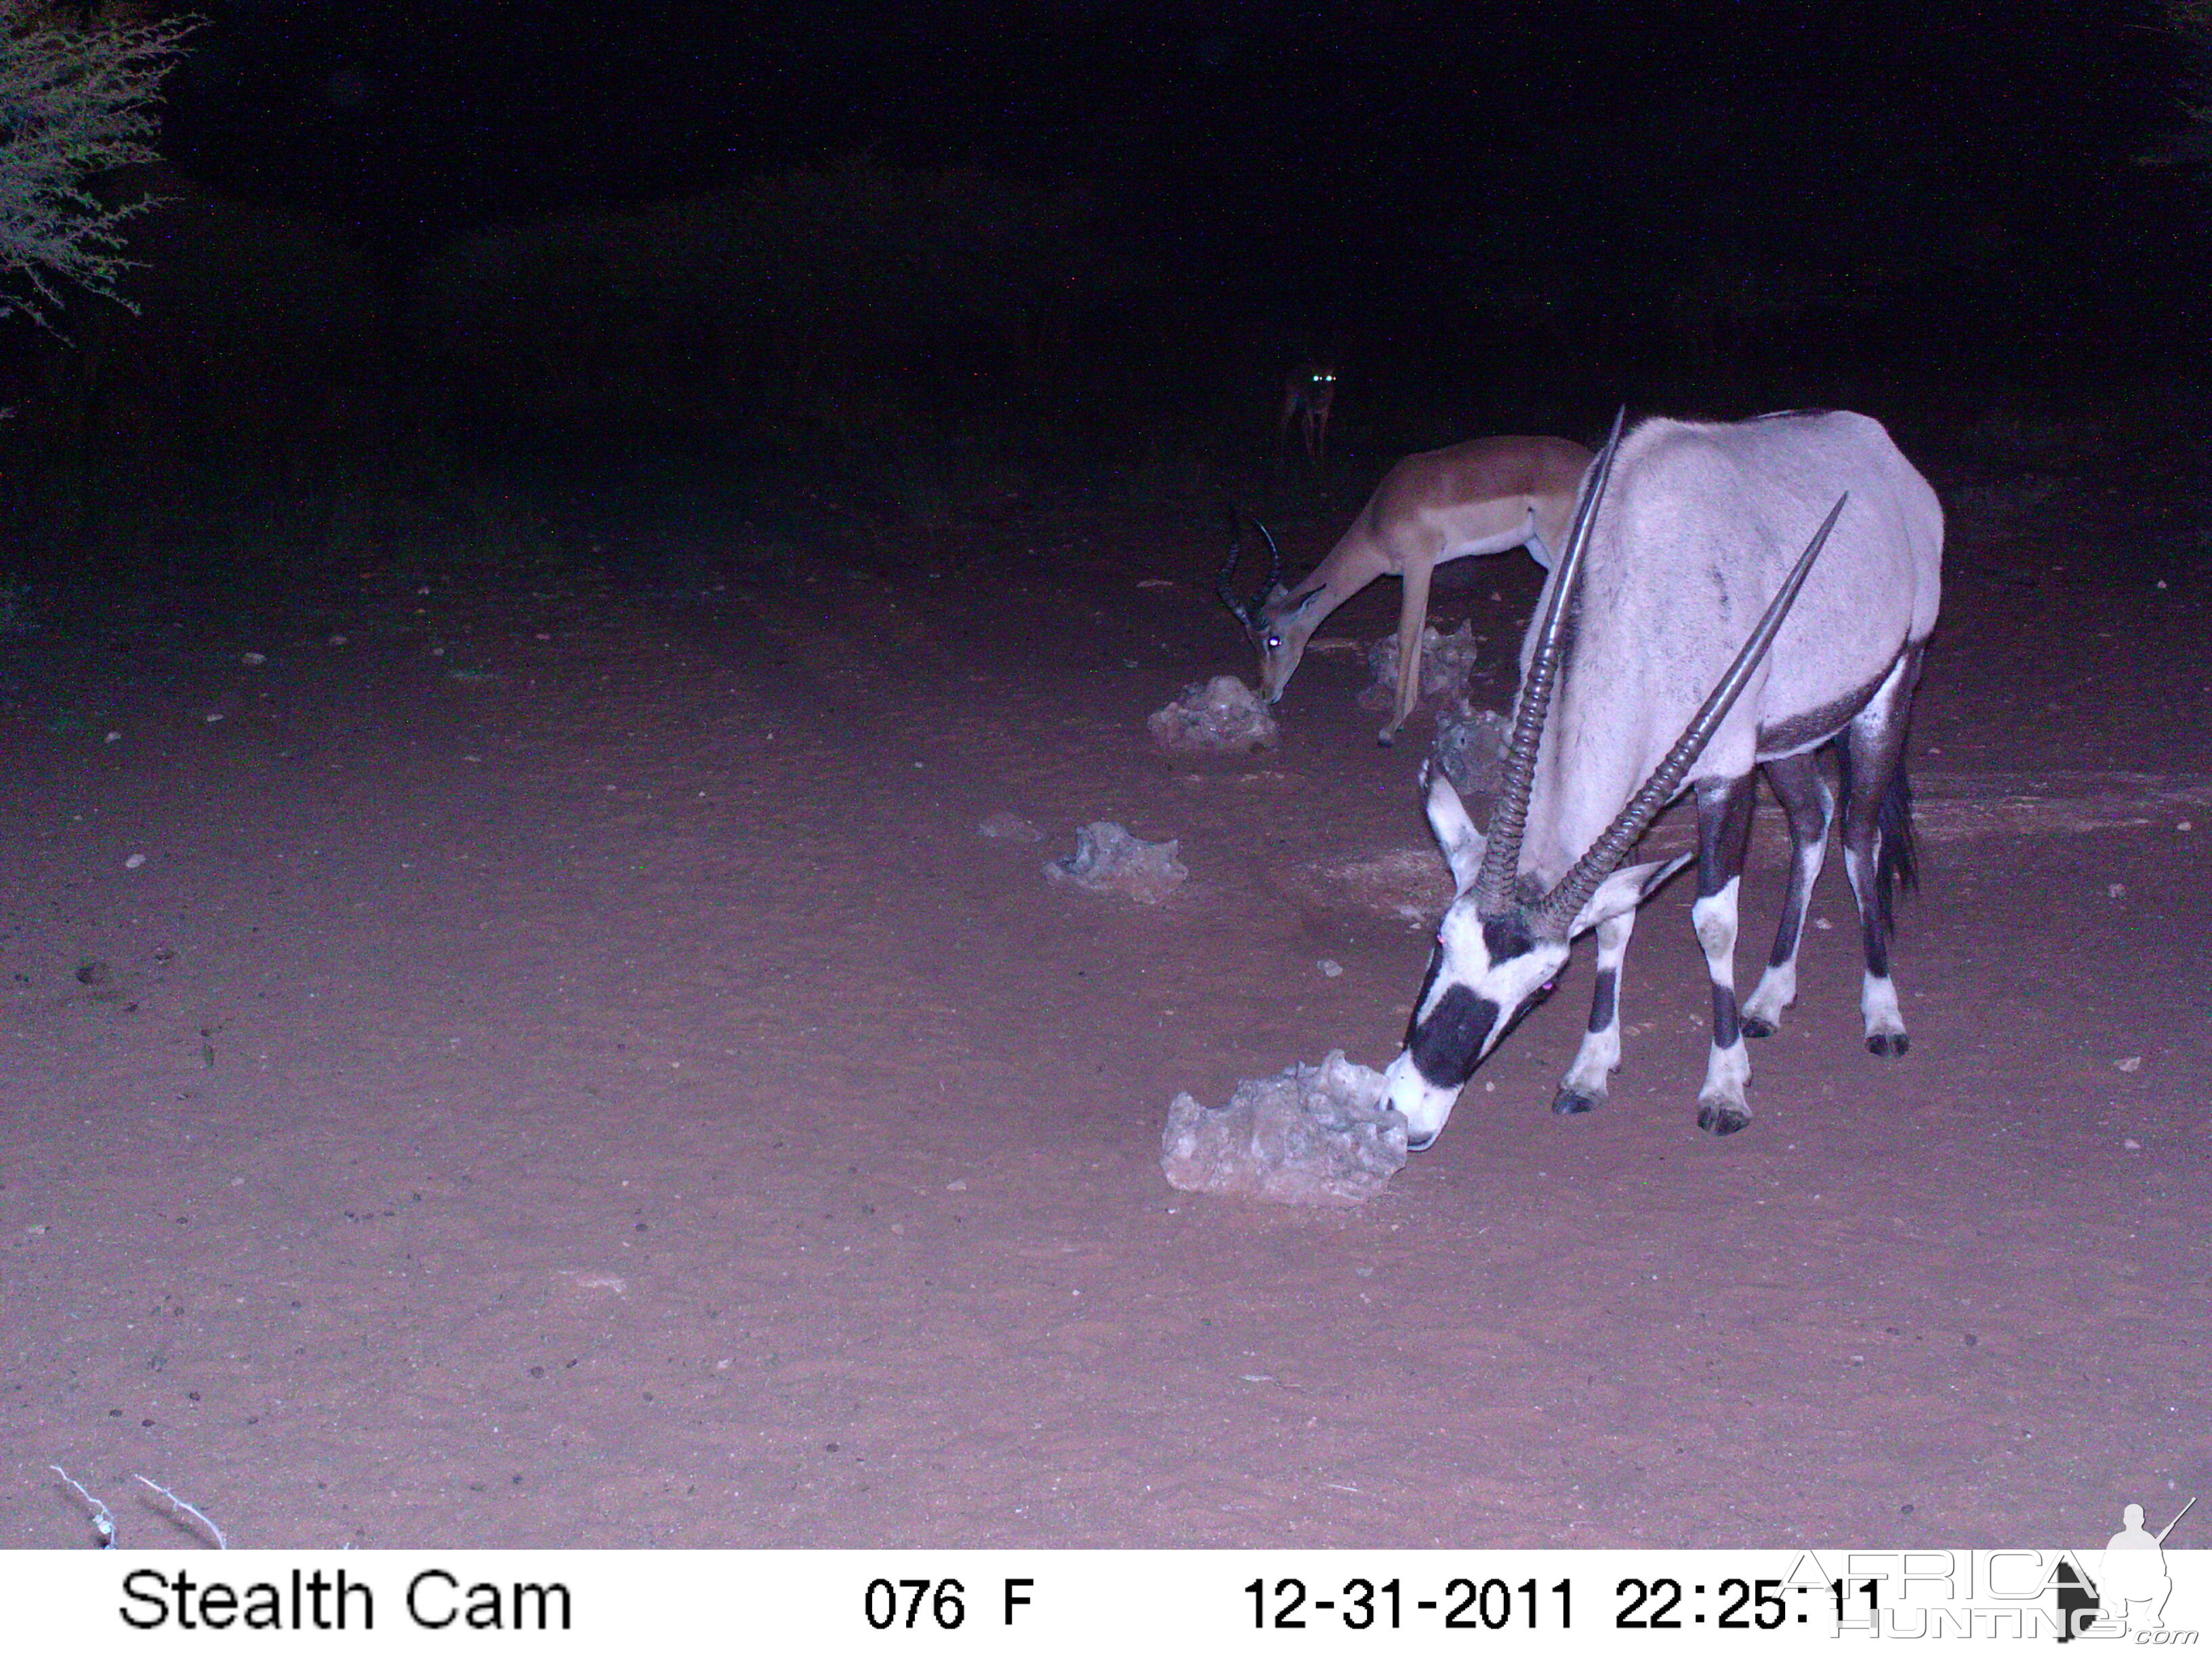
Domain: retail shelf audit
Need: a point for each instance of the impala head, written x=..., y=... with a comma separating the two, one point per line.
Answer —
x=1506, y=937
x=1284, y=625
x=1278, y=624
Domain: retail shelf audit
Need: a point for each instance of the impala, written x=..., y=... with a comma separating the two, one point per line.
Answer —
x=1672, y=612
x=1486, y=497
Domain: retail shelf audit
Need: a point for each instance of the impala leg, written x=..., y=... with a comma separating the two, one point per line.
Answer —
x=1723, y=833
x=1413, y=614
x=1807, y=800
x=1585, y=1084
x=1878, y=842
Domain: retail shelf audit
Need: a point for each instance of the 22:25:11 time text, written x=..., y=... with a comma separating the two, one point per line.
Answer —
x=1363, y=1604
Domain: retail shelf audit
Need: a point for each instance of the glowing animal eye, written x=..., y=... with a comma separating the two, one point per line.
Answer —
x=1274, y=642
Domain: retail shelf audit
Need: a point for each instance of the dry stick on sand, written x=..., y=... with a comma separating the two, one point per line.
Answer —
x=102, y=1522
x=214, y=1531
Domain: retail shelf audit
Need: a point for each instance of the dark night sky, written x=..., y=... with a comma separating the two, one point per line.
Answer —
x=1365, y=146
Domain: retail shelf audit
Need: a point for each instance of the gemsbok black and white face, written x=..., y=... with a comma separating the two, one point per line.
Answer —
x=1641, y=637
x=1486, y=973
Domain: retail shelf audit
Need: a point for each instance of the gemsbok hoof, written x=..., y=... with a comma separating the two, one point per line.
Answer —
x=1753, y=1027
x=1573, y=1102
x=1887, y=1042
x=1722, y=1117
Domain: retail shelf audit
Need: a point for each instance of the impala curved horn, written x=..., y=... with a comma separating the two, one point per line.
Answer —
x=1244, y=611
x=1509, y=817
x=1556, y=913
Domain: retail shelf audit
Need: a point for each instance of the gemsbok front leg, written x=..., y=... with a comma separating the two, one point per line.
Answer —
x=1811, y=809
x=1724, y=837
x=1587, y=1080
x=1878, y=852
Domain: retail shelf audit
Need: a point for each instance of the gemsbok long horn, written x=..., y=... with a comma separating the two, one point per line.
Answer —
x=1555, y=914
x=1508, y=817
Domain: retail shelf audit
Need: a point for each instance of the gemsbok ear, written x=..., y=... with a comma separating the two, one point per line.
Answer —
x=1623, y=891
x=1455, y=833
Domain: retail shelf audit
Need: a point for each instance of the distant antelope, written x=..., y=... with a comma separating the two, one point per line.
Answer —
x=1309, y=394
x=1672, y=612
x=1486, y=497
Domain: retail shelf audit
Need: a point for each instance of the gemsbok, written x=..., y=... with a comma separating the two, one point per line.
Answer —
x=1679, y=646
x=1487, y=496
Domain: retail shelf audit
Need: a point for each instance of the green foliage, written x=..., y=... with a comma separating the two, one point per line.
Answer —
x=77, y=102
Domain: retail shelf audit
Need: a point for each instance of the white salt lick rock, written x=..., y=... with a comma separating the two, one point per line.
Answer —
x=1310, y=1135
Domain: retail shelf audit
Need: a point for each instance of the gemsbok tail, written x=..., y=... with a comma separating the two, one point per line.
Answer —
x=1897, y=861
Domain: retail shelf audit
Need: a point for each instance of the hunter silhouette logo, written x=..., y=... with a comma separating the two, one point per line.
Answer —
x=2132, y=1586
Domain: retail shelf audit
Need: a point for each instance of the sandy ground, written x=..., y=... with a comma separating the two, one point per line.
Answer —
x=595, y=1086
